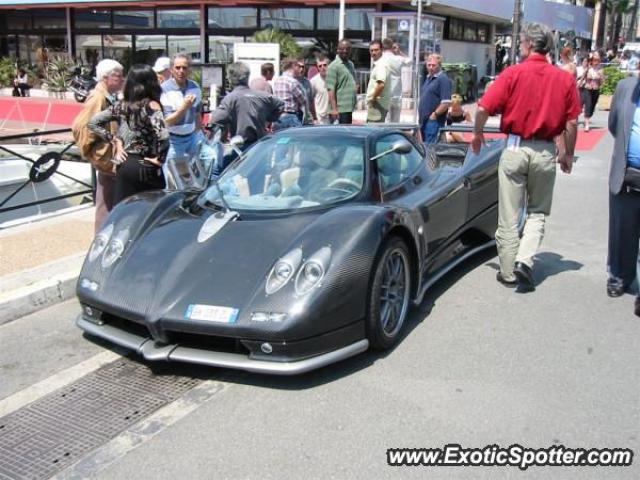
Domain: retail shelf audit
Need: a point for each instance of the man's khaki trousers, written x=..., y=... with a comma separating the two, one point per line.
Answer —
x=526, y=175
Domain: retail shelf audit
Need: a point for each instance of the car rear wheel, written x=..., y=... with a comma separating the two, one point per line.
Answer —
x=389, y=295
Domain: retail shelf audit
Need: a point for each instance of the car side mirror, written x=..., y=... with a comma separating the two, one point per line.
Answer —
x=401, y=146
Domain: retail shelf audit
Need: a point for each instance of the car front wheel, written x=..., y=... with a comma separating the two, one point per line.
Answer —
x=389, y=295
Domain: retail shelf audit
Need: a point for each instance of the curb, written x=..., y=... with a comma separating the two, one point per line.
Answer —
x=41, y=287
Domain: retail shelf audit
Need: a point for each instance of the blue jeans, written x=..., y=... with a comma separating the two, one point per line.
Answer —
x=287, y=120
x=181, y=151
x=430, y=131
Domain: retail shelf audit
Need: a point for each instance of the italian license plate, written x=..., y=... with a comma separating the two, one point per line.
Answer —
x=211, y=313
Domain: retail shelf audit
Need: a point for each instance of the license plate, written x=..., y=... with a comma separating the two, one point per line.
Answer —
x=211, y=313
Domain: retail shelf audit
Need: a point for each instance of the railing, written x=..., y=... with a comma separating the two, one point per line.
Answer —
x=42, y=169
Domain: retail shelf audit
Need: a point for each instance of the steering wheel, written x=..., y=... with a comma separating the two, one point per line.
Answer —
x=340, y=187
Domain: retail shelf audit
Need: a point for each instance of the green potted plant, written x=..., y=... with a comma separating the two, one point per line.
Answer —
x=612, y=75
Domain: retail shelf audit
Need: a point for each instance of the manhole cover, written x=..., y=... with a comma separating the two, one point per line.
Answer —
x=58, y=430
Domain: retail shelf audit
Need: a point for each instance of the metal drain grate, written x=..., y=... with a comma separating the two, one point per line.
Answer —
x=58, y=430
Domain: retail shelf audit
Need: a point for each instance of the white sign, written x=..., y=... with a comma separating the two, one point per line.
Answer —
x=255, y=54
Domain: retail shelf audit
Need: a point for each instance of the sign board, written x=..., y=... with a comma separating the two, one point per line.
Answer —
x=211, y=75
x=255, y=54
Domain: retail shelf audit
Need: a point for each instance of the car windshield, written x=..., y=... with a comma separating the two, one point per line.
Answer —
x=293, y=170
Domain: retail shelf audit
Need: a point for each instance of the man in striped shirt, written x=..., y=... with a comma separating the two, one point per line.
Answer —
x=288, y=89
x=341, y=84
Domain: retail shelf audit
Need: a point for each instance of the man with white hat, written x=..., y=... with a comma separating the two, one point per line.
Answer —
x=162, y=67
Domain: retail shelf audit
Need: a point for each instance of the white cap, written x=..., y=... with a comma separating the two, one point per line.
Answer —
x=162, y=64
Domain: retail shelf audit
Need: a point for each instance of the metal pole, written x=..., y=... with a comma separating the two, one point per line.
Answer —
x=341, y=21
x=515, y=35
x=418, y=36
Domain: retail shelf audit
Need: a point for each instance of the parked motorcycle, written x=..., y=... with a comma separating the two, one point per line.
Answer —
x=81, y=84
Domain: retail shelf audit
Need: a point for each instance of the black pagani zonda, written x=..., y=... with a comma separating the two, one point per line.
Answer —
x=311, y=248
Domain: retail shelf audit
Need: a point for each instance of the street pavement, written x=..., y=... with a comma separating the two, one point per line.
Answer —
x=480, y=365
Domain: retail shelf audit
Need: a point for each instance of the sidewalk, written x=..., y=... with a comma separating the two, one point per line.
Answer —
x=40, y=261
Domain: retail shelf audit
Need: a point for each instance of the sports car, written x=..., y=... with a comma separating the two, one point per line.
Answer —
x=310, y=248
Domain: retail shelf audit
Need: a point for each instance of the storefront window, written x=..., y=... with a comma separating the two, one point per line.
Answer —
x=30, y=49
x=287, y=18
x=189, y=45
x=18, y=20
x=8, y=45
x=233, y=17
x=221, y=48
x=178, y=18
x=470, y=33
x=150, y=47
x=355, y=18
x=132, y=19
x=89, y=49
x=92, y=18
x=56, y=44
x=118, y=47
x=47, y=19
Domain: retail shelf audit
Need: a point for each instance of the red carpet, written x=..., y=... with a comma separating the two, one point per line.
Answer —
x=39, y=112
x=588, y=140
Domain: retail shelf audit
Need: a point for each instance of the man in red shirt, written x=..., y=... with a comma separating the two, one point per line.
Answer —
x=539, y=106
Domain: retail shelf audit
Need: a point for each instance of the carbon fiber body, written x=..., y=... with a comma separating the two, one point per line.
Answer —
x=445, y=208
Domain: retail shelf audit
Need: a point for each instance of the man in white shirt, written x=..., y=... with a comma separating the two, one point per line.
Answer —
x=319, y=89
x=395, y=62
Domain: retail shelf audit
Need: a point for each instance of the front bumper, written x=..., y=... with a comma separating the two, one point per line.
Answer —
x=146, y=347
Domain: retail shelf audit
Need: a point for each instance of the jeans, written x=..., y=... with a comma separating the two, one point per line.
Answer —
x=430, y=131
x=181, y=151
x=287, y=120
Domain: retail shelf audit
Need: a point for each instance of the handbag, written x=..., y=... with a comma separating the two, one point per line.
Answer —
x=632, y=178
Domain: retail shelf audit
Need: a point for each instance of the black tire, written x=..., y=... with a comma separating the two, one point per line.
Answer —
x=389, y=295
x=79, y=98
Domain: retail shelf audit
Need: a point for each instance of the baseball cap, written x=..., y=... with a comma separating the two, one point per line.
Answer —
x=162, y=64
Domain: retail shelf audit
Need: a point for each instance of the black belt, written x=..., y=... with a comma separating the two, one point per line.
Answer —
x=182, y=135
x=288, y=113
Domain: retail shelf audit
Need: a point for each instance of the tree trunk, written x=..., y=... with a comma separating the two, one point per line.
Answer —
x=611, y=28
x=616, y=31
x=631, y=33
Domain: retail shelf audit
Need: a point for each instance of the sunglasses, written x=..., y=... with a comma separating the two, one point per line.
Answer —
x=322, y=65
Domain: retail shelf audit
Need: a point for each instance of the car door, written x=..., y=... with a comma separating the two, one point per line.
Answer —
x=433, y=192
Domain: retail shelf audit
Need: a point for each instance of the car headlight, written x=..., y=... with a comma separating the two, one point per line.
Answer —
x=313, y=270
x=283, y=270
x=100, y=242
x=115, y=248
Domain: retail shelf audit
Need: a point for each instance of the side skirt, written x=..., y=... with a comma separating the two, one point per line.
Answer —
x=448, y=267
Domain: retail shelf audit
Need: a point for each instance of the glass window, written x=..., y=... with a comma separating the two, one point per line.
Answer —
x=118, y=47
x=150, y=47
x=56, y=44
x=18, y=20
x=183, y=18
x=287, y=18
x=456, y=29
x=8, y=45
x=470, y=33
x=89, y=49
x=132, y=19
x=483, y=32
x=233, y=17
x=355, y=18
x=292, y=173
x=46, y=19
x=189, y=45
x=92, y=18
x=221, y=48
x=30, y=50
x=395, y=168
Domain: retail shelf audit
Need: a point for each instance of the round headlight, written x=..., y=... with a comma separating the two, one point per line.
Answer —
x=115, y=249
x=283, y=270
x=313, y=272
x=100, y=242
